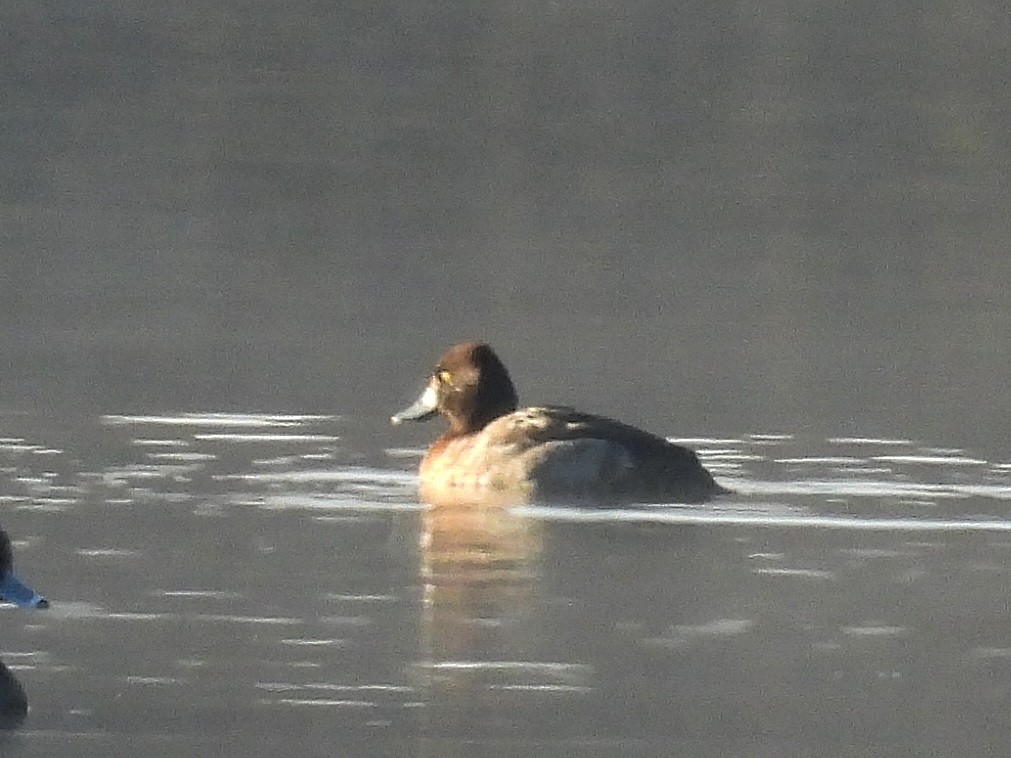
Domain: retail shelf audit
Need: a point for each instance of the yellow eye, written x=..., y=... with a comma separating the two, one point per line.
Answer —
x=444, y=376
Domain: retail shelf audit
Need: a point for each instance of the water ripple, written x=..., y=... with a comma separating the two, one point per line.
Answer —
x=703, y=517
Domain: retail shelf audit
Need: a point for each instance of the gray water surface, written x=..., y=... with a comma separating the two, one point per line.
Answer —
x=236, y=236
x=251, y=584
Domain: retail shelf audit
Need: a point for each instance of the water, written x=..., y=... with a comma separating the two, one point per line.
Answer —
x=235, y=239
x=248, y=584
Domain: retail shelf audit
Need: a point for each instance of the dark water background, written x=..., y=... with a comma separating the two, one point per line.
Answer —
x=779, y=230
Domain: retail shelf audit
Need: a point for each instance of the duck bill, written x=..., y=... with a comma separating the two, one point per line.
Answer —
x=13, y=590
x=423, y=408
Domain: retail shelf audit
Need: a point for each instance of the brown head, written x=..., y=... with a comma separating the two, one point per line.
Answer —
x=469, y=386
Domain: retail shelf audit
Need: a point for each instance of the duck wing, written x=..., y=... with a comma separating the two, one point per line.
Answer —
x=628, y=461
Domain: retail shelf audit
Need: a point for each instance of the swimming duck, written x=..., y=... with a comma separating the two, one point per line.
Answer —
x=13, y=700
x=543, y=453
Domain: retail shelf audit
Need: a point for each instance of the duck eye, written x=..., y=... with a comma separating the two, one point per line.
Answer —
x=444, y=376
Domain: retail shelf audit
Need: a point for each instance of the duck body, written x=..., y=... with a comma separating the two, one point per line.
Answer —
x=549, y=453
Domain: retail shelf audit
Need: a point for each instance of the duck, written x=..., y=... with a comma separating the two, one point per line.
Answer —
x=13, y=699
x=542, y=453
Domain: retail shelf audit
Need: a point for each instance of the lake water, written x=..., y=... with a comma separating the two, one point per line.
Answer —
x=236, y=238
x=249, y=584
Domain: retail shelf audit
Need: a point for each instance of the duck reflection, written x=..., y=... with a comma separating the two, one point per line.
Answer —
x=534, y=630
x=13, y=700
x=478, y=569
x=480, y=665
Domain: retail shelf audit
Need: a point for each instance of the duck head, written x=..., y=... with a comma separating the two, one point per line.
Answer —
x=470, y=387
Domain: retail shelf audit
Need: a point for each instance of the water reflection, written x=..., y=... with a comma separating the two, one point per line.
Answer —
x=478, y=563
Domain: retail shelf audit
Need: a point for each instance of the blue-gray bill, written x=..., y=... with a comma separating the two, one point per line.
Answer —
x=13, y=590
x=422, y=408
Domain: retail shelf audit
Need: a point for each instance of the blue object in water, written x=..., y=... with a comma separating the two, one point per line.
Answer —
x=13, y=590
